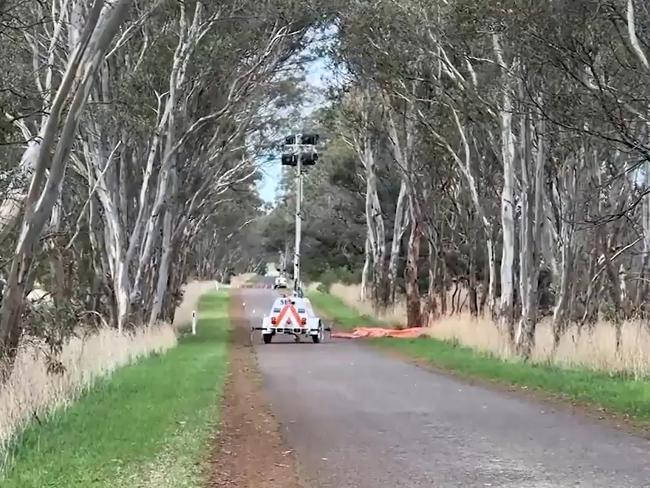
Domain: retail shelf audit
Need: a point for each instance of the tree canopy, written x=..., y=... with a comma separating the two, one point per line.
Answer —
x=501, y=146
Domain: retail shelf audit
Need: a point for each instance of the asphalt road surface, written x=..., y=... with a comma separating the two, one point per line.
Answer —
x=357, y=418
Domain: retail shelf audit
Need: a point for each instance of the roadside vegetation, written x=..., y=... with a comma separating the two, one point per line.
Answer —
x=40, y=383
x=483, y=170
x=346, y=318
x=153, y=117
x=524, y=205
x=130, y=143
x=146, y=426
x=618, y=392
x=590, y=347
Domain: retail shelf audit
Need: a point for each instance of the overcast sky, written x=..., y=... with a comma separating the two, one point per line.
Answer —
x=317, y=78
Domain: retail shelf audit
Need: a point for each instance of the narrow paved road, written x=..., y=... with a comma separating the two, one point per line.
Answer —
x=357, y=418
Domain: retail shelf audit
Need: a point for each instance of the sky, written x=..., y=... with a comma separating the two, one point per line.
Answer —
x=316, y=77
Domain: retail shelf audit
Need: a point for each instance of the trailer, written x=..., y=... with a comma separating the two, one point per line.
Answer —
x=292, y=316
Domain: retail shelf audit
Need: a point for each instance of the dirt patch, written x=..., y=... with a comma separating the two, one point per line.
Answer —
x=249, y=450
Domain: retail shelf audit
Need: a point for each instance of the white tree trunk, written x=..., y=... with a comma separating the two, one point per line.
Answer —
x=365, y=274
x=399, y=228
x=413, y=306
x=633, y=38
x=492, y=280
x=68, y=16
x=189, y=36
x=566, y=203
x=532, y=214
x=507, y=193
x=642, y=286
x=163, y=269
x=465, y=167
x=374, y=218
x=507, y=211
x=401, y=141
x=102, y=24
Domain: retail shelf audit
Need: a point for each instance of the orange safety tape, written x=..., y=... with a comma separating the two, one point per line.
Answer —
x=373, y=332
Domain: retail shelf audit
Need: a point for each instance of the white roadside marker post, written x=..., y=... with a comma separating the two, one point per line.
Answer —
x=194, y=322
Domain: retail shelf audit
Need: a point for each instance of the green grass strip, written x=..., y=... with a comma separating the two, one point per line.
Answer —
x=346, y=318
x=146, y=426
x=616, y=393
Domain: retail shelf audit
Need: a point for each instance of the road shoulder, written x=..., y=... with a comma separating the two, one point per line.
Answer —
x=249, y=451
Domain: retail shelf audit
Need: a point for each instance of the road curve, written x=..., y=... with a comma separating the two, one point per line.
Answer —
x=359, y=419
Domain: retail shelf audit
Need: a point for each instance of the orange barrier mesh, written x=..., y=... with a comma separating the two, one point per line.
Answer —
x=372, y=332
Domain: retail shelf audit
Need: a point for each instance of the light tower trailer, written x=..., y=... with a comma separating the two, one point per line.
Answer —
x=292, y=316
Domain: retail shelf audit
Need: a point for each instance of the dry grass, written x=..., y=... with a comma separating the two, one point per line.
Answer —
x=351, y=296
x=192, y=291
x=240, y=280
x=31, y=391
x=313, y=286
x=593, y=349
x=396, y=315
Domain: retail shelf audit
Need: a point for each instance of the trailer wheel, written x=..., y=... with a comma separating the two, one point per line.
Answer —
x=321, y=335
x=267, y=338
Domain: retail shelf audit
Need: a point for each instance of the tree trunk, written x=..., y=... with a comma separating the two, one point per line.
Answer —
x=442, y=286
x=491, y=294
x=399, y=228
x=454, y=294
x=376, y=233
x=413, y=309
x=507, y=215
x=102, y=23
x=365, y=278
x=526, y=252
x=562, y=301
x=162, y=285
x=472, y=283
x=432, y=312
x=563, y=273
x=57, y=267
x=642, y=287
x=615, y=288
x=532, y=214
x=507, y=194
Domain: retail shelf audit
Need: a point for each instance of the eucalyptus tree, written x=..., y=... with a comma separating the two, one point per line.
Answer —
x=90, y=30
x=138, y=120
x=540, y=104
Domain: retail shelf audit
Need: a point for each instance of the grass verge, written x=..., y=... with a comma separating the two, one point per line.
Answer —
x=334, y=309
x=146, y=426
x=617, y=394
